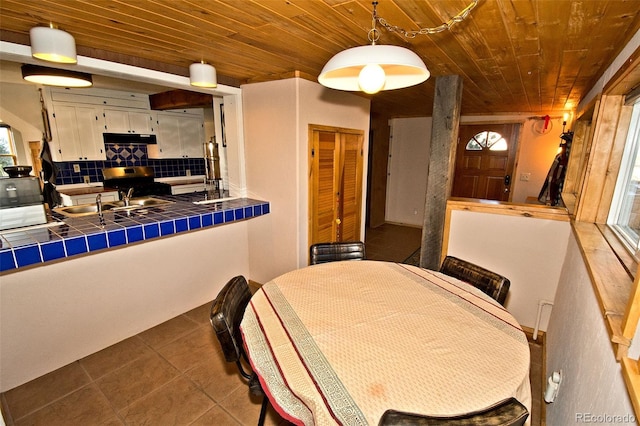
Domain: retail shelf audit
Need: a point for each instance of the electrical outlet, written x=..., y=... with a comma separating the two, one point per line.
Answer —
x=86, y=179
x=76, y=168
x=525, y=177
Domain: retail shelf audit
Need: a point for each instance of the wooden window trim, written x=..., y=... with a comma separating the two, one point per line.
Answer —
x=592, y=175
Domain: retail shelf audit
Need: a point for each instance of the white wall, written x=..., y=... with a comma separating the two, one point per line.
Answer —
x=20, y=109
x=407, y=170
x=277, y=115
x=528, y=251
x=271, y=154
x=578, y=344
x=535, y=155
x=409, y=161
x=54, y=314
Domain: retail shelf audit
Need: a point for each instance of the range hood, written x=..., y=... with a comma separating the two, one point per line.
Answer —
x=124, y=138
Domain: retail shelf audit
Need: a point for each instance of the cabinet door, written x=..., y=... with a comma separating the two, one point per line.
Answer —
x=191, y=137
x=116, y=121
x=140, y=122
x=67, y=144
x=89, y=128
x=168, y=136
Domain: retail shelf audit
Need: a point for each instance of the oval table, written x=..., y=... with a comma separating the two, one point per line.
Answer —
x=341, y=342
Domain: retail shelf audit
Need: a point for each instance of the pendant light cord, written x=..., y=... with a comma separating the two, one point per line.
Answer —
x=461, y=16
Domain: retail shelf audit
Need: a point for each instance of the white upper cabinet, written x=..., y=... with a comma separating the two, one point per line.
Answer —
x=124, y=121
x=180, y=135
x=77, y=133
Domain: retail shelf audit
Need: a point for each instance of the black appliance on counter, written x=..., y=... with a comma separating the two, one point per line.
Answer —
x=140, y=178
x=21, y=202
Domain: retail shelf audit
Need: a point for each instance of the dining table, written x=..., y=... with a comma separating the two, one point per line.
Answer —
x=342, y=342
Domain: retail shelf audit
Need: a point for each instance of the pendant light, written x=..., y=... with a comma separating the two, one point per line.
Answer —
x=55, y=77
x=373, y=68
x=202, y=75
x=53, y=45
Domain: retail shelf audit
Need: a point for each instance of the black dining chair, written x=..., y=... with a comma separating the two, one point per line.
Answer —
x=493, y=284
x=226, y=314
x=331, y=252
x=509, y=412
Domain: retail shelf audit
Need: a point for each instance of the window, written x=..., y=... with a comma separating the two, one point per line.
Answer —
x=492, y=140
x=624, y=215
x=7, y=149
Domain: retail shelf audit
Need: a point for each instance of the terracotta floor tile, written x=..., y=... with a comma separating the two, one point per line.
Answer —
x=168, y=331
x=200, y=314
x=191, y=349
x=216, y=377
x=176, y=403
x=24, y=399
x=245, y=407
x=114, y=357
x=216, y=416
x=85, y=406
x=136, y=379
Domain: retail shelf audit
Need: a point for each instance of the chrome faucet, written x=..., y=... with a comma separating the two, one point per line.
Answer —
x=99, y=208
x=127, y=197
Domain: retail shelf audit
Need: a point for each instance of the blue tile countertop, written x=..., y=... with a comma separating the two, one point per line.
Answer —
x=65, y=237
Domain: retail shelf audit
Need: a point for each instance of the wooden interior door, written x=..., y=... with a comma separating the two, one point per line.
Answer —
x=335, y=184
x=485, y=159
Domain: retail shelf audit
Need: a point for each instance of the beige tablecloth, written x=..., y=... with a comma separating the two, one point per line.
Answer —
x=342, y=342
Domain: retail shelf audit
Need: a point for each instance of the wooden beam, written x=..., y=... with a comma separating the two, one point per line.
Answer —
x=176, y=99
x=444, y=136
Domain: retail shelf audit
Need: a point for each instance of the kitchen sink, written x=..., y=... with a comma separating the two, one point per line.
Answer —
x=91, y=209
x=142, y=202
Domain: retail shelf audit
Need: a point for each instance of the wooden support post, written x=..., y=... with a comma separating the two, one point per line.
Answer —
x=444, y=137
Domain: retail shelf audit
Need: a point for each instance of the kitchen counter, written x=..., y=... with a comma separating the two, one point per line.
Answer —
x=85, y=190
x=64, y=237
x=182, y=180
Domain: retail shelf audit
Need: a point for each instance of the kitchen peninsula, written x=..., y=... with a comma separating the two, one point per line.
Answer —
x=63, y=237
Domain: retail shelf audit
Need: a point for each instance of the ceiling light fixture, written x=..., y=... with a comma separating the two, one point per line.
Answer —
x=55, y=77
x=202, y=75
x=53, y=45
x=373, y=68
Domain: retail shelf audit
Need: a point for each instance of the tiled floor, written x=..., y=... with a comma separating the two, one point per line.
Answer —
x=392, y=242
x=175, y=373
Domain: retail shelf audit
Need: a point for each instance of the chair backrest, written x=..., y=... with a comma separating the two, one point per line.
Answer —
x=331, y=252
x=226, y=314
x=493, y=284
x=509, y=412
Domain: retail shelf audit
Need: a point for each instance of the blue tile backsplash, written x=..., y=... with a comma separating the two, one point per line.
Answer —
x=119, y=155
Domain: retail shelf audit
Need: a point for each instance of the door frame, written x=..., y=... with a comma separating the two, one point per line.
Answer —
x=361, y=191
x=516, y=154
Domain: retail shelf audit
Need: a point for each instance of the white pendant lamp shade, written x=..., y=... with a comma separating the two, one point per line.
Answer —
x=203, y=75
x=55, y=77
x=52, y=44
x=358, y=69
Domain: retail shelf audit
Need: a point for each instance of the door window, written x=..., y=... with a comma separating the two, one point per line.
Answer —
x=492, y=140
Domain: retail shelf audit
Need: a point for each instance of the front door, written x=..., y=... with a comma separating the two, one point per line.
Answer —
x=485, y=159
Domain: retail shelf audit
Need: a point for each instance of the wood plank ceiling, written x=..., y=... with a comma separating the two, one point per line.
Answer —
x=531, y=56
